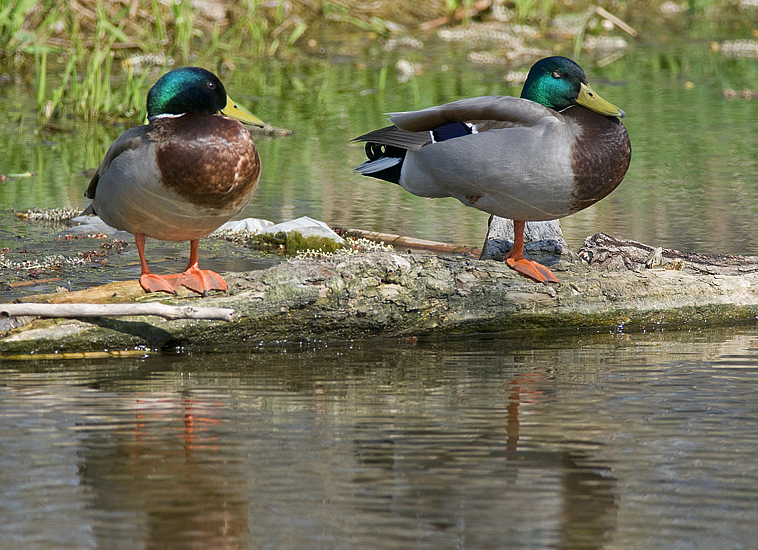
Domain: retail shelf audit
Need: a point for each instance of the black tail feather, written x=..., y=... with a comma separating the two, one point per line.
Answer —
x=384, y=162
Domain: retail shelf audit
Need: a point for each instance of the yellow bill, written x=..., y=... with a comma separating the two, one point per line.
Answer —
x=589, y=98
x=235, y=110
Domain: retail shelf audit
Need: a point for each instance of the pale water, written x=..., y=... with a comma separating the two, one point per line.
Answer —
x=605, y=441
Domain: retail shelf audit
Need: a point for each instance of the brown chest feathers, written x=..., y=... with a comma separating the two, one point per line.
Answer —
x=208, y=160
x=600, y=156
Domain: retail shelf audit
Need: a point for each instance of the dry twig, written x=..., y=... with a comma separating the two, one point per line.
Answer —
x=115, y=310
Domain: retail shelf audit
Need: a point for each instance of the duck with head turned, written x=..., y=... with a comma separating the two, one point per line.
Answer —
x=557, y=149
x=182, y=175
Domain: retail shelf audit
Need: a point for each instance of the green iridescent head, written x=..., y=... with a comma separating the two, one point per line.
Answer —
x=186, y=90
x=194, y=90
x=558, y=82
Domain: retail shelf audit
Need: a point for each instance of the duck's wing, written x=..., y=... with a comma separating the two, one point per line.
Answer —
x=413, y=130
x=504, y=155
x=397, y=137
x=483, y=112
x=131, y=140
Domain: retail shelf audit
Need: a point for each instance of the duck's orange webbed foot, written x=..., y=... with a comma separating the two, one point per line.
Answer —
x=151, y=282
x=532, y=270
x=528, y=268
x=202, y=280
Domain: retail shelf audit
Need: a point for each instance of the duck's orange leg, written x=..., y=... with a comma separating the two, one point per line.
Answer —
x=151, y=282
x=528, y=268
x=200, y=280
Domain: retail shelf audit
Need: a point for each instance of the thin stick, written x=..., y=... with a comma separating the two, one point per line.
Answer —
x=399, y=241
x=615, y=20
x=116, y=310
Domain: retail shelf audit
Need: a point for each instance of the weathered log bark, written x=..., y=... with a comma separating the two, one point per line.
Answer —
x=617, y=285
x=606, y=253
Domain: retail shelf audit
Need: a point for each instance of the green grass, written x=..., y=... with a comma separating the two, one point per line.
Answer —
x=85, y=59
x=82, y=55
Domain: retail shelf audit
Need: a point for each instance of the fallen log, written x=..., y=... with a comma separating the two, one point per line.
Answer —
x=611, y=285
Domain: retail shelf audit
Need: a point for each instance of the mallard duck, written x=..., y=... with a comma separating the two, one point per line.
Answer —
x=180, y=176
x=554, y=151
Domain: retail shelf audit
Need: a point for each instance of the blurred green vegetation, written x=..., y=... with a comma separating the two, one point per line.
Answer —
x=693, y=151
x=93, y=60
x=694, y=155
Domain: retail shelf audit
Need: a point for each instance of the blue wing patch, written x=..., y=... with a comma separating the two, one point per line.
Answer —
x=450, y=130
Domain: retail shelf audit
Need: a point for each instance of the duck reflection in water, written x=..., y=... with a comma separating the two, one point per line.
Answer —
x=561, y=496
x=164, y=480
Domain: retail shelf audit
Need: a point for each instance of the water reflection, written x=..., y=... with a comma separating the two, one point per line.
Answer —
x=162, y=478
x=456, y=479
x=606, y=441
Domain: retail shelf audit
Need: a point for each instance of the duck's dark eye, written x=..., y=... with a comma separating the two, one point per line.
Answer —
x=557, y=74
x=211, y=85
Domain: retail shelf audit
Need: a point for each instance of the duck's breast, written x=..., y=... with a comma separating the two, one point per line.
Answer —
x=182, y=184
x=600, y=156
x=211, y=161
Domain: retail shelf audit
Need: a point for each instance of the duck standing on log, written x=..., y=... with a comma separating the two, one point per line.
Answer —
x=180, y=176
x=553, y=152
